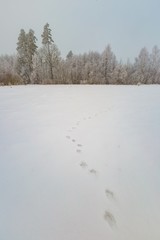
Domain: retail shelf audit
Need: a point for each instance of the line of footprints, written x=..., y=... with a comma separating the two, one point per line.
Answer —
x=108, y=216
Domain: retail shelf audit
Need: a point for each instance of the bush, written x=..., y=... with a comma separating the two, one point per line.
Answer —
x=10, y=79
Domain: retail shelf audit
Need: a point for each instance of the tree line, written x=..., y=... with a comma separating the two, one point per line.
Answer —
x=44, y=65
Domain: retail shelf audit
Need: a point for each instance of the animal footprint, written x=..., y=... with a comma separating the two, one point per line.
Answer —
x=83, y=164
x=93, y=171
x=108, y=216
x=73, y=140
x=68, y=137
x=79, y=145
x=109, y=194
x=78, y=151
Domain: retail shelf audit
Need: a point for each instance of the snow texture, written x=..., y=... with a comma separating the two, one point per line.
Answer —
x=80, y=162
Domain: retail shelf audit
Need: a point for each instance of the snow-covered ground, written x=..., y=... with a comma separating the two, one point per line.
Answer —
x=80, y=162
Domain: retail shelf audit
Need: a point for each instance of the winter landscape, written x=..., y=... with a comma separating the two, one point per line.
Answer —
x=80, y=162
x=79, y=120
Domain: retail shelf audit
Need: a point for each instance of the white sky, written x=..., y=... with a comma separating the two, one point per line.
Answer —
x=83, y=25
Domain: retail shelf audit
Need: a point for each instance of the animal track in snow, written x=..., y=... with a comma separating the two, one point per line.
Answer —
x=68, y=137
x=108, y=216
x=83, y=164
x=109, y=194
x=73, y=140
x=79, y=145
x=78, y=151
x=93, y=171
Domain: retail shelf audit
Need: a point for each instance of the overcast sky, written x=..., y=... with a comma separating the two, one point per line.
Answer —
x=83, y=25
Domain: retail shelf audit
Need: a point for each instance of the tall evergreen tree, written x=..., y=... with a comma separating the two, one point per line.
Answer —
x=22, y=52
x=26, y=48
x=31, y=49
x=47, y=42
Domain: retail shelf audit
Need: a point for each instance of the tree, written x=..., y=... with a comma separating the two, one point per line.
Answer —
x=142, y=67
x=69, y=55
x=91, y=69
x=41, y=71
x=155, y=65
x=31, y=50
x=108, y=64
x=8, y=73
x=26, y=48
x=119, y=74
x=22, y=53
x=47, y=42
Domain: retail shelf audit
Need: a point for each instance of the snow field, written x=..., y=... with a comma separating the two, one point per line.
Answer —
x=80, y=162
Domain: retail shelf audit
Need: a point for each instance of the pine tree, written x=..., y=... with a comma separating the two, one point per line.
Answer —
x=47, y=42
x=69, y=55
x=26, y=48
x=22, y=52
x=31, y=49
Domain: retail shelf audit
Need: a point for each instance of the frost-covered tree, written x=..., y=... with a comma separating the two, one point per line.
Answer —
x=92, y=68
x=44, y=65
x=130, y=69
x=108, y=63
x=142, y=67
x=26, y=48
x=7, y=64
x=119, y=74
x=47, y=42
x=68, y=68
x=69, y=55
x=41, y=65
x=155, y=65
x=8, y=73
x=22, y=53
x=31, y=49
